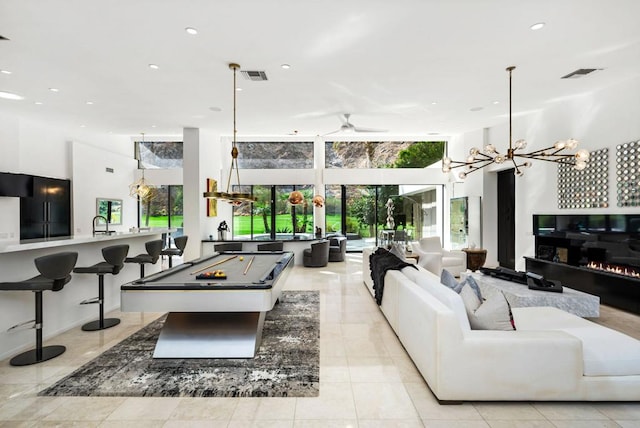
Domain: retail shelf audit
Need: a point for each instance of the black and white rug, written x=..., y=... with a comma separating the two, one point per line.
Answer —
x=286, y=365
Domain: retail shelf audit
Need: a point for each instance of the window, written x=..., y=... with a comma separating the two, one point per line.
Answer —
x=382, y=154
x=164, y=209
x=272, y=216
x=269, y=155
x=158, y=154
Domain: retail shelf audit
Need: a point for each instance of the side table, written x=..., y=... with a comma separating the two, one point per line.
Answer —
x=475, y=258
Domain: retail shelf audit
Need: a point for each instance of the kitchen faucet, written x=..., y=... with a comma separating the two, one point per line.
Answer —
x=93, y=225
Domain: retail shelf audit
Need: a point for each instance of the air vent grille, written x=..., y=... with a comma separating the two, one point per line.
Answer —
x=256, y=76
x=581, y=72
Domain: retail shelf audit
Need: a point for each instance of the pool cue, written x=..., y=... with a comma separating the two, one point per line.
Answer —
x=214, y=264
x=248, y=265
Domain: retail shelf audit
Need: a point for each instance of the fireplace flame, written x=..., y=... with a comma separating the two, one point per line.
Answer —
x=619, y=270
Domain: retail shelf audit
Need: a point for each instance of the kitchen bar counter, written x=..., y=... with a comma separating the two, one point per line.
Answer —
x=62, y=310
x=36, y=244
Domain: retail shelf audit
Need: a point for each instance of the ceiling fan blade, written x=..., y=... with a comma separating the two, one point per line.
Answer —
x=332, y=132
x=359, y=129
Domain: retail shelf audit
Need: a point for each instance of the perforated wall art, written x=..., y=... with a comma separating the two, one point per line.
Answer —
x=628, y=174
x=588, y=188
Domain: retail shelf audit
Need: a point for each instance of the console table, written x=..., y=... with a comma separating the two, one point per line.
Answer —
x=519, y=295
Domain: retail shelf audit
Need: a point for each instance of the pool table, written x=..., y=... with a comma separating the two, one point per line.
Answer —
x=218, y=316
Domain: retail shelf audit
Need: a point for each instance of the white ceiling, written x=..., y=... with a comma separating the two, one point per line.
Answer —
x=385, y=62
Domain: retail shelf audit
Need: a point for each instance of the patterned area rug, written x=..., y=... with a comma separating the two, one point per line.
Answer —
x=286, y=365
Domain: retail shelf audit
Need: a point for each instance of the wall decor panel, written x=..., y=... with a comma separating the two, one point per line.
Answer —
x=588, y=188
x=628, y=174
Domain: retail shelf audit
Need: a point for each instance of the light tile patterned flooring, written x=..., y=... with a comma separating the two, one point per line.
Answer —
x=366, y=380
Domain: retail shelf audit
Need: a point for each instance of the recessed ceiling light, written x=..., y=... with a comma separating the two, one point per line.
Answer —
x=191, y=30
x=537, y=26
x=5, y=72
x=238, y=89
x=477, y=108
x=10, y=96
x=216, y=109
x=434, y=103
x=54, y=89
x=285, y=66
x=38, y=103
x=83, y=126
x=153, y=126
x=89, y=103
x=153, y=66
x=496, y=102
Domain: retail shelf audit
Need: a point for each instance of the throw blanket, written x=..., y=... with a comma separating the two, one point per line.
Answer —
x=380, y=262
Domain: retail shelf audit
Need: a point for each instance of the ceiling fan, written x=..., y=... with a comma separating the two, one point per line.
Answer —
x=350, y=127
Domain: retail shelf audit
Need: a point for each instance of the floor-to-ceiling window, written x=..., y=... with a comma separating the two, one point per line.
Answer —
x=363, y=212
x=163, y=209
x=273, y=215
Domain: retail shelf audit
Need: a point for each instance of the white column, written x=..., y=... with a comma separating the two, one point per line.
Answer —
x=193, y=202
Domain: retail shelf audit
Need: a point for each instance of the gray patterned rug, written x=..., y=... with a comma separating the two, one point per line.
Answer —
x=286, y=365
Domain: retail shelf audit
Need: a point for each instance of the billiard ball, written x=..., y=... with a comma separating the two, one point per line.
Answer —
x=241, y=258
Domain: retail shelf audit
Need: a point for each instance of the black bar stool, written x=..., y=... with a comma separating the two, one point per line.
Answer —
x=153, y=254
x=55, y=272
x=114, y=262
x=181, y=244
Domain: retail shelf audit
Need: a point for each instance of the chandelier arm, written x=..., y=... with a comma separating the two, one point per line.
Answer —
x=476, y=168
x=548, y=158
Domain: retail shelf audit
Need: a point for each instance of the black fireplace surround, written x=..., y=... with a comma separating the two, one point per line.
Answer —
x=597, y=254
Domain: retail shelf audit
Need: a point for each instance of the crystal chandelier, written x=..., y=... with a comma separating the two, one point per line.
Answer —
x=556, y=153
x=234, y=198
x=140, y=189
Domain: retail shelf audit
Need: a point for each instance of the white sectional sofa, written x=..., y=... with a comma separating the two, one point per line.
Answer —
x=552, y=355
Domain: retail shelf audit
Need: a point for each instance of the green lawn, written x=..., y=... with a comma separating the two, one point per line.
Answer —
x=163, y=221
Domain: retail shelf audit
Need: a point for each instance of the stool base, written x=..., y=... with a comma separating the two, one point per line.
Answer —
x=31, y=357
x=95, y=325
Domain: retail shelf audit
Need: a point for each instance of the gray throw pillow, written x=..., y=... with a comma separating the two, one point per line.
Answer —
x=397, y=251
x=494, y=313
x=447, y=278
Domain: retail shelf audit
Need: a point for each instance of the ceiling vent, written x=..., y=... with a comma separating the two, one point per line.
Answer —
x=256, y=76
x=581, y=72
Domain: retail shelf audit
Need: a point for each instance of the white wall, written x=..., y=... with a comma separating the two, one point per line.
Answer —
x=603, y=119
x=91, y=180
x=30, y=147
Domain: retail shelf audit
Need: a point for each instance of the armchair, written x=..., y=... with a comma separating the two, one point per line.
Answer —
x=434, y=258
x=317, y=255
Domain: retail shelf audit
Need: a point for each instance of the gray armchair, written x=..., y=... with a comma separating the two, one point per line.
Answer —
x=317, y=255
x=337, y=248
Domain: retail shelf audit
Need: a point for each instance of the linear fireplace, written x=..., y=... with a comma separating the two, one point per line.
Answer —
x=598, y=254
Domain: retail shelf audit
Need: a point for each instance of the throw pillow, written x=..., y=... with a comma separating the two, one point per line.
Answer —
x=397, y=251
x=447, y=278
x=493, y=313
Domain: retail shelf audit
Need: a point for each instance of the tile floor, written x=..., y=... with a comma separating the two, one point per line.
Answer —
x=366, y=380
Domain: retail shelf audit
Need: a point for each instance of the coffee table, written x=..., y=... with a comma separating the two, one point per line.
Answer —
x=519, y=296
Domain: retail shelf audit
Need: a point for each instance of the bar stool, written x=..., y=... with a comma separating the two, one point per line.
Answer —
x=114, y=262
x=151, y=256
x=181, y=244
x=55, y=272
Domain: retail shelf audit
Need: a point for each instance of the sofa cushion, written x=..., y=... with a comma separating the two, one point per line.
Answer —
x=607, y=352
x=492, y=313
x=450, y=281
x=447, y=296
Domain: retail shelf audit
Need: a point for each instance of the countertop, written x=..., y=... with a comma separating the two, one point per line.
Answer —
x=36, y=244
